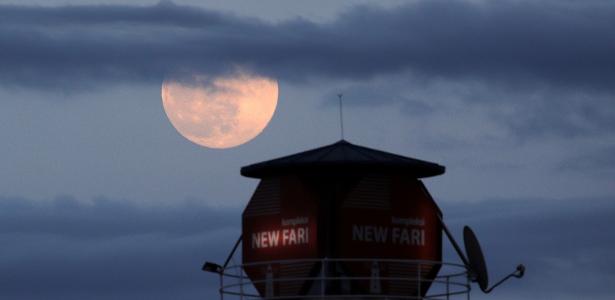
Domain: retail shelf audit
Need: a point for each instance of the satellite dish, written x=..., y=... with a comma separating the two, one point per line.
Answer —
x=476, y=258
x=475, y=262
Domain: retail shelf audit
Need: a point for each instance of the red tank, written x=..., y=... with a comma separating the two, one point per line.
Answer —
x=358, y=207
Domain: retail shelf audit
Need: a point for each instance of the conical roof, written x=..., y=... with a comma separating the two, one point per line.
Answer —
x=343, y=157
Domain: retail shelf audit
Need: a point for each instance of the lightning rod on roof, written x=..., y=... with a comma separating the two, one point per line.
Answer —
x=339, y=96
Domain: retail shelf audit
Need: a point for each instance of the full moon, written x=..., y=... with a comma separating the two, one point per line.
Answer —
x=220, y=112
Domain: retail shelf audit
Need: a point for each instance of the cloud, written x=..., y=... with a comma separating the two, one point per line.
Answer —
x=104, y=218
x=563, y=243
x=520, y=114
x=513, y=43
x=599, y=162
x=68, y=249
x=538, y=70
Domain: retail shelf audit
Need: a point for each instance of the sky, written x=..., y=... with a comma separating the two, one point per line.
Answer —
x=100, y=197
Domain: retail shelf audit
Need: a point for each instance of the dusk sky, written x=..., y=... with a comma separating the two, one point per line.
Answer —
x=101, y=198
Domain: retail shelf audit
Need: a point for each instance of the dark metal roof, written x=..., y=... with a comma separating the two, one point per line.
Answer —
x=343, y=157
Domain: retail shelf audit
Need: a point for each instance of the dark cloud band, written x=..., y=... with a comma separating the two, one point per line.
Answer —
x=565, y=44
x=65, y=249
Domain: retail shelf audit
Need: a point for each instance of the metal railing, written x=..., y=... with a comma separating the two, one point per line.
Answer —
x=451, y=282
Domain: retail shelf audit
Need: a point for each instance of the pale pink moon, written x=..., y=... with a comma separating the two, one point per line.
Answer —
x=220, y=112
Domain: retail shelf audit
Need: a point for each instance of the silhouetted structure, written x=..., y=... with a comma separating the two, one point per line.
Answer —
x=344, y=221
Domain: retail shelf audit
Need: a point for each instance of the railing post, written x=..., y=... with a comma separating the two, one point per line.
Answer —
x=322, y=277
x=269, y=286
x=374, y=282
x=221, y=290
x=468, y=286
x=241, y=282
x=447, y=287
x=418, y=277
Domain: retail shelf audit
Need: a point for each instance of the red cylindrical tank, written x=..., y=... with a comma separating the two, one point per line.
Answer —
x=358, y=207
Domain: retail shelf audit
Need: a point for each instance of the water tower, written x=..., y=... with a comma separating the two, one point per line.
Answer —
x=347, y=222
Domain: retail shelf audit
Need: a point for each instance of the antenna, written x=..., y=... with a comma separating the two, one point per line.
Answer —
x=340, y=95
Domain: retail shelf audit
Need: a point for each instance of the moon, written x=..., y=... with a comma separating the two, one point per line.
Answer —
x=220, y=112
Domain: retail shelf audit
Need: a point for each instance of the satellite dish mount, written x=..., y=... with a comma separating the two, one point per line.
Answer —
x=477, y=265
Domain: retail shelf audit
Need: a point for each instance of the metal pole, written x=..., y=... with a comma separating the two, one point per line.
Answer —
x=230, y=256
x=454, y=243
